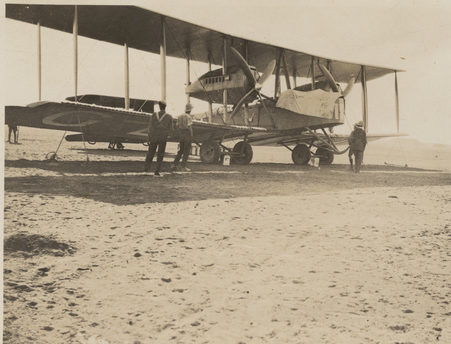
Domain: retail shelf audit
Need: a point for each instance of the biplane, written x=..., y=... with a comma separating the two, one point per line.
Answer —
x=299, y=118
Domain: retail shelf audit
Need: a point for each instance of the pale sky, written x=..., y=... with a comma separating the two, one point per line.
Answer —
x=412, y=35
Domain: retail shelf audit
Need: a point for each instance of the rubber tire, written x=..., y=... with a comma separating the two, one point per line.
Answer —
x=301, y=155
x=327, y=156
x=209, y=152
x=247, y=151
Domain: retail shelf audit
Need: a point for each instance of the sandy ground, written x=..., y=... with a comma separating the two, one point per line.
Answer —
x=101, y=252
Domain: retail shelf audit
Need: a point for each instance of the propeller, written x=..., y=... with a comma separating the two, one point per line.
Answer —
x=255, y=84
x=329, y=78
x=333, y=84
x=267, y=72
x=348, y=88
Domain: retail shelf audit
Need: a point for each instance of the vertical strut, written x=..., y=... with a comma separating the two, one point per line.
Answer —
x=224, y=72
x=126, y=78
x=287, y=74
x=163, y=59
x=75, y=33
x=397, y=101
x=210, y=104
x=39, y=62
x=312, y=67
x=364, y=97
x=277, y=80
x=246, y=51
x=188, y=74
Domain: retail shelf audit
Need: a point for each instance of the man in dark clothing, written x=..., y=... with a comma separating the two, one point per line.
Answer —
x=185, y=130
x=12, y=128
x=357, y=144
x=160, y=126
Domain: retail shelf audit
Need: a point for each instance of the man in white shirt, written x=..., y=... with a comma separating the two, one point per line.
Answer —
x=185, y=131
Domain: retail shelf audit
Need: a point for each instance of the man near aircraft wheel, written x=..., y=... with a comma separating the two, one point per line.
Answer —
x=184, y=125
x=160, y=126
x=357, y=143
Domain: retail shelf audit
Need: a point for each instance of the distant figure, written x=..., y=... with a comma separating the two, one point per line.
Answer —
x=184, y=124
x=357, y=144
x=12, y=128
x=160, y=126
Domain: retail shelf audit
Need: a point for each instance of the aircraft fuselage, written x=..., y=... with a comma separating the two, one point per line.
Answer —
x=210, y=86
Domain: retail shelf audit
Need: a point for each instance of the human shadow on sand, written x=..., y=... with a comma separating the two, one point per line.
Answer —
x=205, y=182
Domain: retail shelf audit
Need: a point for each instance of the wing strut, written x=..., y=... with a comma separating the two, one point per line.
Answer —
x=224, y=72
x=39, y=62
x=312, y=67
x=163, y=59
x=210, y=104
x=277, y=81
x=287, y=74
x=126, y=78
x=397, y=102
x=364, y=97
x=75, y=33
x=188, y=73
x=246, y=51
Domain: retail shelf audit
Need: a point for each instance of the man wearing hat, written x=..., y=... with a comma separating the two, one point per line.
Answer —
x=160, y=126
x=357, y=144
x=184, y=124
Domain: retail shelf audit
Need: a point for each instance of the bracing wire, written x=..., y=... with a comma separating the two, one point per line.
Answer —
x=53, y=155
x=83, y=138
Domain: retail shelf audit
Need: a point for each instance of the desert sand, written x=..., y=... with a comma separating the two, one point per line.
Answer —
x=101, y=252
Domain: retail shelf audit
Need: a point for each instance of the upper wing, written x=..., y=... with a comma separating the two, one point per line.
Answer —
x=141, y=29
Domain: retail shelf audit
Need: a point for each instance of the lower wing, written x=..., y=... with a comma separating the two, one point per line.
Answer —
x=97, y=123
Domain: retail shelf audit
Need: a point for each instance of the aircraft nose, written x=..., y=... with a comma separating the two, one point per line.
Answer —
x=195, y=87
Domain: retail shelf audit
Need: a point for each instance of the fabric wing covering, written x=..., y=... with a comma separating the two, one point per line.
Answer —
x=142, y=29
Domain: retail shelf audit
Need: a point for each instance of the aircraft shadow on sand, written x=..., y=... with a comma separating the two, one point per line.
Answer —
x=263, y=180
x=117, y=167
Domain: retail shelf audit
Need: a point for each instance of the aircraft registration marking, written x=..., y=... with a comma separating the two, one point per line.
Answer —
x=64, y=119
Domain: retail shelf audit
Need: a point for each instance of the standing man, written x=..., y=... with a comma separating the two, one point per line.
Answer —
x=160, y=126
x=12, y=128
x=357, y=144
x=184, y=124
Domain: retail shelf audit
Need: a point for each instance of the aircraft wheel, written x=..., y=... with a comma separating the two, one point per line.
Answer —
x=92, y=142
x=111, y=145
x=326, y=156
x=209, y=152
x=119, y=145
x=301, y=155
x=244, y=148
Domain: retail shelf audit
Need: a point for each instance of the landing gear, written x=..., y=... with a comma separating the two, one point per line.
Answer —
x=210, y=152
x=241, y=154
x=115, y=145
x=301, y=154
x=326, y=157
